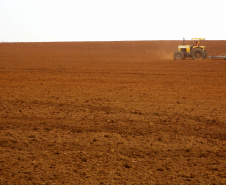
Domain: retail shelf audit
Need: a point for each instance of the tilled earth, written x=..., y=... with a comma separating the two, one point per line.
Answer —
x=111, y=113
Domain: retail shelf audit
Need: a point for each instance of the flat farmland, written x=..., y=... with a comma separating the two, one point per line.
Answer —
x=111, y=113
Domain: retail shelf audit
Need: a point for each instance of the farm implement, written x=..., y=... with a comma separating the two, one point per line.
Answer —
x=219, y=56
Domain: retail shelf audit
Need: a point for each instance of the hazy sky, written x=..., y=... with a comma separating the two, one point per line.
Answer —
x=100, y=20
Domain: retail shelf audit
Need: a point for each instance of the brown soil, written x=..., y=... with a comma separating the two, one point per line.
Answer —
x=111, y=113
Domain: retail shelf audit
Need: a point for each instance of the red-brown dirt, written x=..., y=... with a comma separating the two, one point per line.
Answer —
x=111, y=113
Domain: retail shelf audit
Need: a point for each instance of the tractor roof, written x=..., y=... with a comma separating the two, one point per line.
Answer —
x=198, y=39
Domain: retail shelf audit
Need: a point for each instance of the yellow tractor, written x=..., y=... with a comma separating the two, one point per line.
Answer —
x=196, y=52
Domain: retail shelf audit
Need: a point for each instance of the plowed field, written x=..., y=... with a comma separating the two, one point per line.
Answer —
x=111, y=113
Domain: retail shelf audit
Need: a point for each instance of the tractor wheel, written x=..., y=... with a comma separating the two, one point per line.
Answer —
x=178, y=55
x=198, y=54
x=205, y=54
